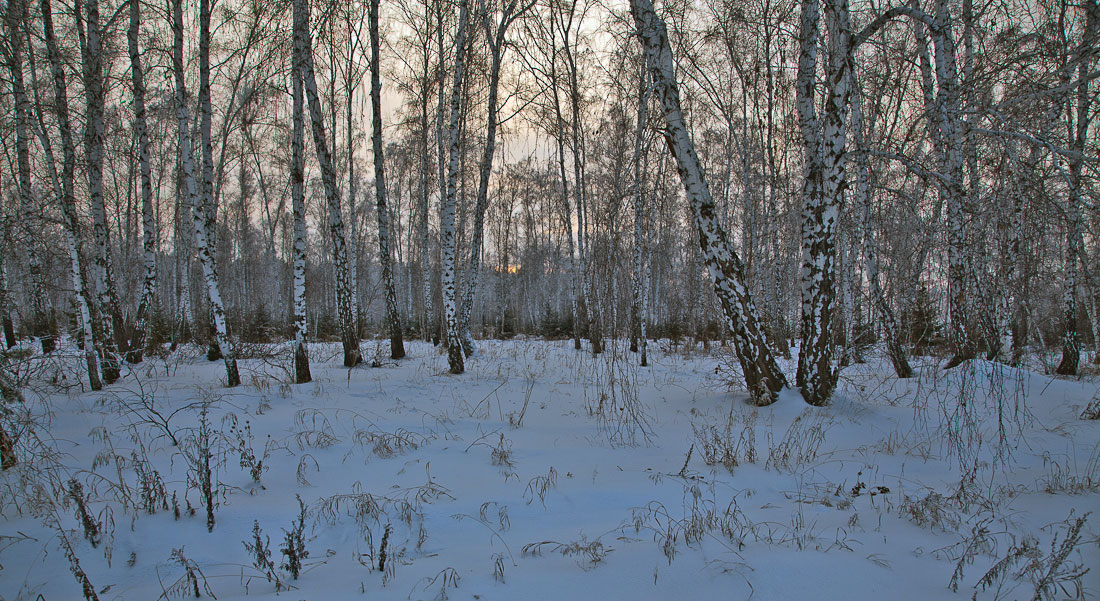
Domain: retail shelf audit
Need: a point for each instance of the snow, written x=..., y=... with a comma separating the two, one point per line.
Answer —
x=634, y=522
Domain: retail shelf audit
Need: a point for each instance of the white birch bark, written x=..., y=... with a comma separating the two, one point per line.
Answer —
x=5, y=298
x=1075, y=248
x=393, y=316
x=947, y=133
x=107, y=305
x=951, y=157
x=298, y=207
x=206, y=184
x=422, y=202
x=640, y=291
x=762, y=375
x=63, y=187
x=497, y=40
x=40, y=309
x=894, y=349
x=447, y=225
x=302, y=39
x=823, y=192
x=203, y=241
x=813, y=201
x=148, y=226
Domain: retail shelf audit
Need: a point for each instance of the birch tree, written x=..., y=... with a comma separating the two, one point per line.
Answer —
x=302, y=41
x=393, y=317
x=1077, y=134
x=763, y=377
x=894, y=349
x=148, y=225
x=823, y=192
x=298, y=207
x=640, y=292
x=39, y=305
x=203, y=238
x=64, y=186
x=89, y=32
x=496, y=33
x=447, y=222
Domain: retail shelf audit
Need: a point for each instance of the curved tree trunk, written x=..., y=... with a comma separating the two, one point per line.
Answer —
x=64, y=185
x=497, y=38
x=762, y=375
x=348, y=332
x=203, y=241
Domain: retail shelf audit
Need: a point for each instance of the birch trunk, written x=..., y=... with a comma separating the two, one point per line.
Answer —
x=894, y=348
x=1075, y=250
x=298, y=207
x=761, y=372
x=951, y=160
x=148, y=226
x=447, y=226
x=638, y=297
x=5, y=301
x=65, y=187
x=302, y=40
x=393, y=316
x=813, y=201
x=591, y=311
x=823, y=193
x=206, y=189
x=497, y=40
x=40, y=322
x=422, y=203
x=567, y=211
x=203, y=240
x=107, y=308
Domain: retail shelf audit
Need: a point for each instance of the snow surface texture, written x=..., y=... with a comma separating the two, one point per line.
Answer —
x=545, y=473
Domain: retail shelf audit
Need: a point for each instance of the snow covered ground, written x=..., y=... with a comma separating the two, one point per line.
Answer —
x=543, y=473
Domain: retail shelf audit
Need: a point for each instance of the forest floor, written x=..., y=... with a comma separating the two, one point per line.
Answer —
x=544, y=473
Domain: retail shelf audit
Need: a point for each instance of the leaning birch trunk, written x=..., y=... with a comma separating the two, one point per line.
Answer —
x=298, y=206
x=65, y=194
x=138, y=341
x=638, y=300
x=762, y=375
x=39, y=301
x=107, y=305
x=447, y=225
x=393, y=317
x=348, y=334
x=202, y=239
x=497, y=45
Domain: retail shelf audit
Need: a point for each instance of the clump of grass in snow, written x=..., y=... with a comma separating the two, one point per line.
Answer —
x=590, y=553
